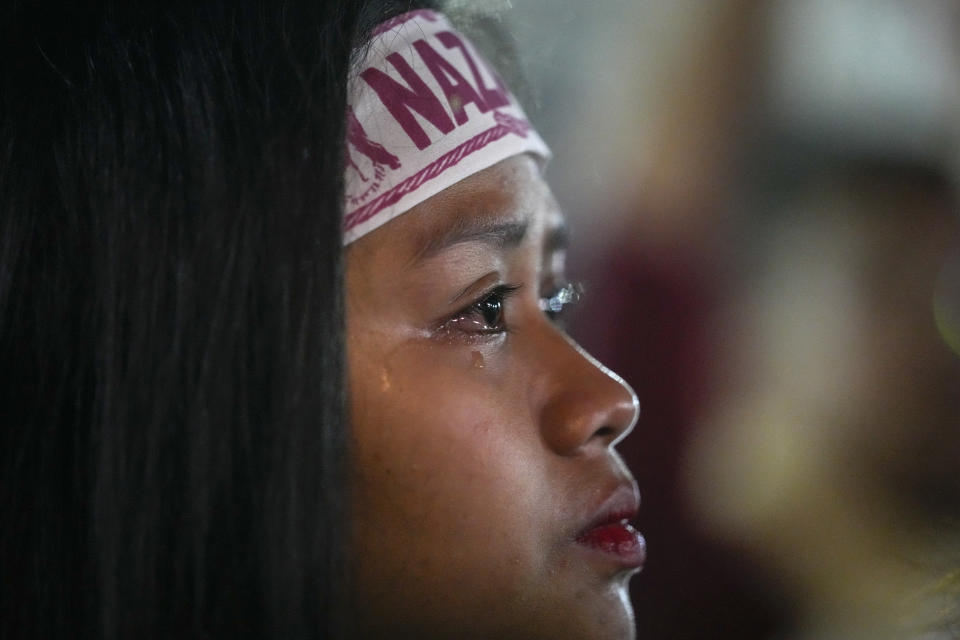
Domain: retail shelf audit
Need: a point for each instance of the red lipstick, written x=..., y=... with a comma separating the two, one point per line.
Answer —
x=618, y=539
x=611, y=534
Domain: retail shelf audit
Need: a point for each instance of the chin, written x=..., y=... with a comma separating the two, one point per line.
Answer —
x=601, y=615
x=613, y=620
x=587, y=615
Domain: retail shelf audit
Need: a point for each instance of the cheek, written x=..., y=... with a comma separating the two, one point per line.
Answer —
x=450, y=479
x=435, y=439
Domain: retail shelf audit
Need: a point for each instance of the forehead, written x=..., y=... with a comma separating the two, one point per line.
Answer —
x=496, y=205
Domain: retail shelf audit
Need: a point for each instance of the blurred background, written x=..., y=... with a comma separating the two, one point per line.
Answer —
x=763, y=197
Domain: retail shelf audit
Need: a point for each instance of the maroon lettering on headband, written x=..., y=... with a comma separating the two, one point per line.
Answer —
x=493, y=97
x=401, y=101
x=458, y=91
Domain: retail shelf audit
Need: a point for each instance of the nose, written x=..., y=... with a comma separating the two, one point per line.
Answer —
x=586, y=405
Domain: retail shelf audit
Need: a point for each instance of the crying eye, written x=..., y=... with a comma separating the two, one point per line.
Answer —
x=491, y=309
x=484, y=316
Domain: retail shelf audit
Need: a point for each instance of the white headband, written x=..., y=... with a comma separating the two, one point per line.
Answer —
x=424, y=112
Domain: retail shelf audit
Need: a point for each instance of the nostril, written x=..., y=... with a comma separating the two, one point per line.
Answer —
x=606, y=432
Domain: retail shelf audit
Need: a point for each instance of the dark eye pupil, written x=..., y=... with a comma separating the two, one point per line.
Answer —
x=491, y=310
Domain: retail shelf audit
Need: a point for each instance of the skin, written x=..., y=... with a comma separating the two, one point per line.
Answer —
x=483, y=442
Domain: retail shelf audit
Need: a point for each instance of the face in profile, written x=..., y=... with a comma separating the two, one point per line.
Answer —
x=488, y=499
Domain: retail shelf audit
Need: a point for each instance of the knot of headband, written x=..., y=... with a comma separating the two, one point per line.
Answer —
x=424, y=111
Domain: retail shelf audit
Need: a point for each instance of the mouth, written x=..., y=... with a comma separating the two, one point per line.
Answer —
x=609, y=533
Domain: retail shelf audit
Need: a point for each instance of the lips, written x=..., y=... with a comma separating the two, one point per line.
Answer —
x=610, y=534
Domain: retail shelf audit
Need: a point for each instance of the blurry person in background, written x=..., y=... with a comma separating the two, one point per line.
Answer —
x=833, y=446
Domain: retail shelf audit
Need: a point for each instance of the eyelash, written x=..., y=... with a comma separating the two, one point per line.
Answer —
x=491, y=302
x=555, y=305
x=473, y=320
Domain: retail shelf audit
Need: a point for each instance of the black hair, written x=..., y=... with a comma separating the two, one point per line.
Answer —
x=174, y=444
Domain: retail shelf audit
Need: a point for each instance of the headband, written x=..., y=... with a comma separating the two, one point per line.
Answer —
x=424, y=112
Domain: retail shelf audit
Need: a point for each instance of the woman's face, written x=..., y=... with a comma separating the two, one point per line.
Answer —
x=488, y=497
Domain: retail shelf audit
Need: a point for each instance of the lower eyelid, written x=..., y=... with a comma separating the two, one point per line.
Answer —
x=471, y=325
x=455, y=337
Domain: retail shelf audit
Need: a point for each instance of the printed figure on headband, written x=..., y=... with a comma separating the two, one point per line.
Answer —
x=358, y=139
x=279, y=298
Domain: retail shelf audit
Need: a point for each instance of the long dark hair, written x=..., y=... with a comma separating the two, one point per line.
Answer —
x=172, y=410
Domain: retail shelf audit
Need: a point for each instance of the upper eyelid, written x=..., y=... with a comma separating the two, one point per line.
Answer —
x=473, y=290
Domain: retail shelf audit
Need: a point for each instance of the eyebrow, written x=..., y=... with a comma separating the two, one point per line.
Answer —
x=498, y=233
x=558, y=239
